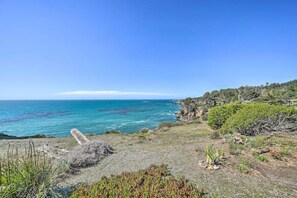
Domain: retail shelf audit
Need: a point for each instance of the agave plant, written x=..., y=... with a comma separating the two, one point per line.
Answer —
x=213, y=157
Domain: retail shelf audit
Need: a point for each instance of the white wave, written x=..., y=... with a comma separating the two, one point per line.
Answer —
x=140, y=121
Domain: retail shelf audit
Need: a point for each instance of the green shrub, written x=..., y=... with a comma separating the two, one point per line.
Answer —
x=213, y=157
x=247, y=163
x=155, y=181
x=218, y=115
x=242, y=168
x=235, y=149
x=258, y=141
x=28, y=175
x=258, y=118
x=215, y=135
x=285, y=150
x=262, y=158
x=236, y=144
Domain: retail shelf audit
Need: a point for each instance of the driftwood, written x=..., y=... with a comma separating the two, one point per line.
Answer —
x=87, y=153
x=80, y=138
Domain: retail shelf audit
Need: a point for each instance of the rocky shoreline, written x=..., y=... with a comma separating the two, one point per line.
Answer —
x=274, y=93
x=4, y=136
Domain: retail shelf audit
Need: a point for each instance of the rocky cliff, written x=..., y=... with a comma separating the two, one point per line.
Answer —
x=274, y=93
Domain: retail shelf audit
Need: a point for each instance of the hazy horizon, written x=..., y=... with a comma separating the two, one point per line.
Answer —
x=106, y=98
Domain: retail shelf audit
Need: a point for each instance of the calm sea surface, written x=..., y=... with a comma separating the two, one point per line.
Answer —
x=57, y=118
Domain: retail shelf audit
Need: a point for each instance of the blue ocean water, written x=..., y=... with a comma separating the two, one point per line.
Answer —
x=57, y=118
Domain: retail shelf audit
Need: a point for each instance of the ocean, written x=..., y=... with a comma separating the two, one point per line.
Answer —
x=57, y=117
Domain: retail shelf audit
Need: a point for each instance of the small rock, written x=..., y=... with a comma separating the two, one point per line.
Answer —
x=203, y=165
x=144, y=130
x=276, y=155
x=163, y=129
x=261, y=151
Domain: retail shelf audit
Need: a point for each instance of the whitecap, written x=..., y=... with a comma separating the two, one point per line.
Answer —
x=140, y=121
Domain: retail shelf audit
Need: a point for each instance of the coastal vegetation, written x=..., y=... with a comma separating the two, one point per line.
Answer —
x=30, y=174
x=249, y=166
x=274, y=93
x=244, y=166
x=4, y=136
x=253, y=118
x=247, y=139
x=155, y=181
x=168, y=125
x=213, y=157
x=219, y=115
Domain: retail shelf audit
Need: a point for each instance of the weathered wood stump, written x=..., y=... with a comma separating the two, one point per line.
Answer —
x=80, y=138
x=87, y=153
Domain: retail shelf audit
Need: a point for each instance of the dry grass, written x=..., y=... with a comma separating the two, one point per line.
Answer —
x=30, y=174
x=177, y=147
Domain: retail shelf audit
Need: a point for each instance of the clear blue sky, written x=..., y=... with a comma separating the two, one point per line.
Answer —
x=143, y=49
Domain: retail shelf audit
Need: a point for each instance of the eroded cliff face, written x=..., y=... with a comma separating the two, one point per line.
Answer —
x=191, y=111
x=185, y=116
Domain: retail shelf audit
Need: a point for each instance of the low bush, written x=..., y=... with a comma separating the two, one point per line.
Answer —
x=155, y=181
x=258, y=141
x=285, y=150
x=29, y=175
x=218, y=115
x=235, y=149
x=168, y=124
x=254, y=119
x=112, y=132
x=236, y=143
x=247, y=163
x=215, y=135
x=260, y=157
x=243, y=168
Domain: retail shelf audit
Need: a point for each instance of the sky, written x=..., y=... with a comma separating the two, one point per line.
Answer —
x=148, y=49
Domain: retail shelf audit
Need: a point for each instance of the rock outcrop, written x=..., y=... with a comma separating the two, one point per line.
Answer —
x=275, y=93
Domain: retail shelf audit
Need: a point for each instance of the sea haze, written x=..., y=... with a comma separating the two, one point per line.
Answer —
x=57, y=118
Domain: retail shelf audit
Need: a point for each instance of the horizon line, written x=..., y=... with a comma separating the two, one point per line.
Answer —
x=92, y=99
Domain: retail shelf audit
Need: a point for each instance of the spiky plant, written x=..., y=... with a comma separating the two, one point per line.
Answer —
x=29, y=175
x=212, y=156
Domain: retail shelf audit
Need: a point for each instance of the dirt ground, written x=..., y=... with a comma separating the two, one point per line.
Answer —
x=182, y=149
